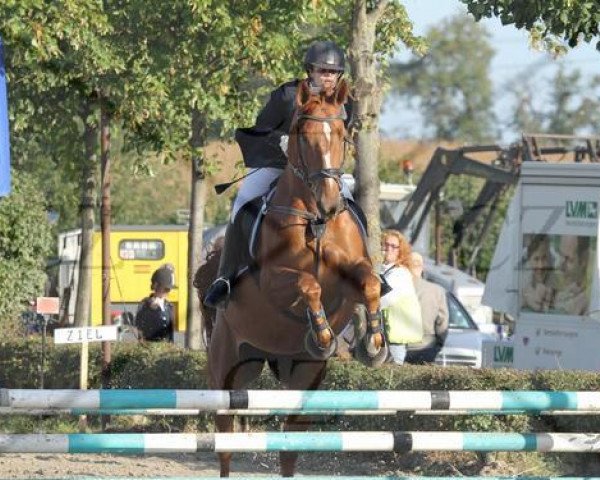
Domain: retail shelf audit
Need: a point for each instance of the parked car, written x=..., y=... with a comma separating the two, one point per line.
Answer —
x=467, y=289
x=463, y=344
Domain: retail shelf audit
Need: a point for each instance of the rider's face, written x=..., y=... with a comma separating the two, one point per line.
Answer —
x=324, y=78
x=390, y=246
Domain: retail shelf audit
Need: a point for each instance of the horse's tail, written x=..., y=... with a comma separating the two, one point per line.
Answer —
x=203, y=278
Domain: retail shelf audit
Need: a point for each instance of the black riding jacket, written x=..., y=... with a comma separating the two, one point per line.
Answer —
x=154, y=323
x=260, y=143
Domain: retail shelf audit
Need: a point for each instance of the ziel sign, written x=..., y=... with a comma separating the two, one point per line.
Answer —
x=581, y=209
x=85, y=334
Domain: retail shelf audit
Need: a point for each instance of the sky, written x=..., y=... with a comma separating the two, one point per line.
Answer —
x=513, y=57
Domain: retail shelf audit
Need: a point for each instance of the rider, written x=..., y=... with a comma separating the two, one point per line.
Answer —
x=264, y=148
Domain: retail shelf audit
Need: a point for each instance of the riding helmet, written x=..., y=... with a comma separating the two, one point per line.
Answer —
x=326, y=55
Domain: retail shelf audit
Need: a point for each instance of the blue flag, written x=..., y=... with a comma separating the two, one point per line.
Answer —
x=4, y=143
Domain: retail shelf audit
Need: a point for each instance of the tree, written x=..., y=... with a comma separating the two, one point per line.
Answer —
x=571, y=106
x=72, y=63
x=45, y=135
x=452, y=82
x=25, y=242
x=63, y=63
x=551, y=22
x=211, y=64
x=376, y=29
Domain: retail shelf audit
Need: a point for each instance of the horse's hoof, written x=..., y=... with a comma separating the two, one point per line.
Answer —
x=368, y=354
x=373, y=344
x=315, y=350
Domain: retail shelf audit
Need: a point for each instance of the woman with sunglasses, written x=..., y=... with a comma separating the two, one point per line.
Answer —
x=400, y=306
x=264, y=148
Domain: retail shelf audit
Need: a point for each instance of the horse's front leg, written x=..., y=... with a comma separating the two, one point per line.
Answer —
x=367, y=288
x=289, y=287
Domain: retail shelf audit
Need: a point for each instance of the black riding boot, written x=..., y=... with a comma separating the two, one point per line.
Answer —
x=218, y=293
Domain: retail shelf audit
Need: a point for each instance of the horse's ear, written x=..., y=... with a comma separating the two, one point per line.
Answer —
x=302, y=93
x=342, y=91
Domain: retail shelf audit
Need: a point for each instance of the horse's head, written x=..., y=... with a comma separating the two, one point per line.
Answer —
x=316, y=150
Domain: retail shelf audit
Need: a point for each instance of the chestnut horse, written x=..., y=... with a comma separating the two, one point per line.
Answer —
x=312, y=269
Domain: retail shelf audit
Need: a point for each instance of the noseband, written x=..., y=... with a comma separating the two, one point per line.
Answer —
x=303, y=173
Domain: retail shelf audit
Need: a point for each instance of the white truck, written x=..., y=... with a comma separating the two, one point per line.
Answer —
x=545, y=270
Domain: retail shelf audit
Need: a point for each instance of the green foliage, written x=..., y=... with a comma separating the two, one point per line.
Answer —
x=550, y=22
x=393, y=31
x=395, y=28
x=452, y=82
x=465, y=189
x=60, y=58
x=217, y=59
x=48, y=147
x=25, y=243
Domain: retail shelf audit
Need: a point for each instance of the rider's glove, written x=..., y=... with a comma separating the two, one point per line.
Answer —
x=283, y=144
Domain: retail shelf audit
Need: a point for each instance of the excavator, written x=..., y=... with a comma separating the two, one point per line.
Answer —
x=499, y=175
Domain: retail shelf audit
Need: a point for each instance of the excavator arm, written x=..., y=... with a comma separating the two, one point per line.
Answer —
x=499, y=175
x=443, y=164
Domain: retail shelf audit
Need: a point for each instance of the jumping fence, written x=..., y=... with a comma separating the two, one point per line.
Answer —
x=271, y=402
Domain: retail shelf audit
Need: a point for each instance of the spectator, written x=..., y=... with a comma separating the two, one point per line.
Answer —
x=402, y=313
x=434, y=314
x=32, y=321
x=155, y=315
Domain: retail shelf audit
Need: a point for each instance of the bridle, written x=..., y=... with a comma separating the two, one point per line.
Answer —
x=310, y=178
x=303, y=172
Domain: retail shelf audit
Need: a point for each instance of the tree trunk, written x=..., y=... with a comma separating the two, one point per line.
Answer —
x=105, y=214
x=83, y=303
x=197, y=202
x=367, y=105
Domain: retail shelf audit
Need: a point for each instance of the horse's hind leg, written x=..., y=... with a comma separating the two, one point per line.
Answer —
x=305, y=375
x=228, y=371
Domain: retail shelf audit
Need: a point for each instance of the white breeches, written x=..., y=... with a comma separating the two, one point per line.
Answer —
x=257, y=184
x=254, y=186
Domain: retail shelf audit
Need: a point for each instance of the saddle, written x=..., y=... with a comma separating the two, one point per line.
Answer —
x=249, y=220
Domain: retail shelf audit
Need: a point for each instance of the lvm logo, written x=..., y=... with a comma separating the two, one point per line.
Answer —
x=581, y=209
x=504, y=354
